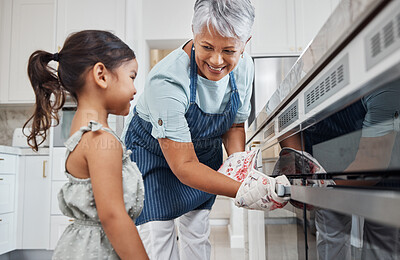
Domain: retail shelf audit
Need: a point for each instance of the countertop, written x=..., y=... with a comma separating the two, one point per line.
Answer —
x=23, y=150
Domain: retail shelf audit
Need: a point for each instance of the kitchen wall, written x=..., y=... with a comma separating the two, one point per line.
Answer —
x=12, y=117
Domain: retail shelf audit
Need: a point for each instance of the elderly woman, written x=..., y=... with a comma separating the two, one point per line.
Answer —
x=196, y=99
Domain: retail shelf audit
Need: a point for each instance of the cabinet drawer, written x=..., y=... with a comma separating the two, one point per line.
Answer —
x=57, y=227
x=8, y=163
x=7, y=190
x=7, y=238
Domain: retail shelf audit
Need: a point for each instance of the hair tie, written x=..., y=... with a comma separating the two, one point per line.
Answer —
x=56, y=57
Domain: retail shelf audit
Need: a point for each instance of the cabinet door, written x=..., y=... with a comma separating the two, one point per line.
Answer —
x=58, y=164
x=8, y=163
x=77, y=15
x=36, y=210
x=7, y=238
x=32, y=29
x=55, y=189
x=58, y=225
x=273, y=30
x=7, y=191
x=311, y=15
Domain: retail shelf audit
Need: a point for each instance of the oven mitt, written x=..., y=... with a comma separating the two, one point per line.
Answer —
x=258, y=192
x=236, y=166
x=292, y=162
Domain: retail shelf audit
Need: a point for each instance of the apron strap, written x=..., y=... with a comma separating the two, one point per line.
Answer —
x=193, y=76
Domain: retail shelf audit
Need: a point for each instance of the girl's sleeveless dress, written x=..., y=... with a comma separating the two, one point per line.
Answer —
x=85, y=237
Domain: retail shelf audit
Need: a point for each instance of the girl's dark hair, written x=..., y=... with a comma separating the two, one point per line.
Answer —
x=81, y=51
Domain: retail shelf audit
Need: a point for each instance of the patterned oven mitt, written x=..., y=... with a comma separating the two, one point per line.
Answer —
x=257, y=190
x=236, y=166
x=292, y=162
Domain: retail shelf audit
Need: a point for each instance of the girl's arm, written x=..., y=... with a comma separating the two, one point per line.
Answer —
x=104, y=158
x=183, y=162
x=234, y=139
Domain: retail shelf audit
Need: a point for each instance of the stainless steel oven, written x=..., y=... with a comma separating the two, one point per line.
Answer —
x=344, y=111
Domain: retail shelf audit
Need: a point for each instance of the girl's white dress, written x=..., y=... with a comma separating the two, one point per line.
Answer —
x=85, y=237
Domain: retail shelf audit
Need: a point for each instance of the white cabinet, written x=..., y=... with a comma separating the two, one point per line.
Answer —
x=309, y=21
x=57, y=226
x=8, y=163
x=7, y=233
x=8, y=171
x=287, y=26
x=36, y=203
x=77, y=15
x=31, y=28
x=29, y=25
x=58, y=222
x=58, y=164
x=273, y=29
x=7, y=193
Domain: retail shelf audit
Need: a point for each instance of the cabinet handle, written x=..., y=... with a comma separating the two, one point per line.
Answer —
x=1, y=159
x=71, y=220
x=44, y=168
x=1, y=220
x=1, y=179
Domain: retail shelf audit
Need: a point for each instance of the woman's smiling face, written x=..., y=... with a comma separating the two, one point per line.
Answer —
x=216, y=56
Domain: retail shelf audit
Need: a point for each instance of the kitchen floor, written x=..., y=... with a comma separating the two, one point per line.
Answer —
x=220, y=248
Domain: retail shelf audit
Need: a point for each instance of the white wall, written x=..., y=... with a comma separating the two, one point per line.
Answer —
x=156, y=24
x=170, y=19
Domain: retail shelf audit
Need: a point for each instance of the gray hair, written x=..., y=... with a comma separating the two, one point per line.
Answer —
x=230, y=18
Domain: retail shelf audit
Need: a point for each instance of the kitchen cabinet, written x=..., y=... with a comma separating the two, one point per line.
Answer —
x=57, y=226
x=8, y=171
x=58, y=222
x=309, y=21
x=8, y=163
x=36, y=202
x=29, y=27
x=287, y=26
x=274, y=27
x=7, y=234
x=7, y=193
x=77, y=15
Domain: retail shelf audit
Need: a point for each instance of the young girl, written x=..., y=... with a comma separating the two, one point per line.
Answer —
x=97, y=69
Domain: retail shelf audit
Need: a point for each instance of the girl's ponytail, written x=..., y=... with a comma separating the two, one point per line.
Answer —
x=81, y=51
x=45, y=84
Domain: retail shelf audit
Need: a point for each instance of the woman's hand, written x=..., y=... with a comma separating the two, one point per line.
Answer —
x=258, y=191
x=183, y=162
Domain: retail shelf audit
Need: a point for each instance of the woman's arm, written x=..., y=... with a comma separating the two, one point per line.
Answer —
x=234, y=139
x=183, y=162
x=104, y=158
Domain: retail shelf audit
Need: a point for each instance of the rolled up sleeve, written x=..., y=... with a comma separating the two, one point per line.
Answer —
x=167, y=104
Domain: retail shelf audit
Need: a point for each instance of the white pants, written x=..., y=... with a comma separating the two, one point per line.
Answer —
x=185, y=238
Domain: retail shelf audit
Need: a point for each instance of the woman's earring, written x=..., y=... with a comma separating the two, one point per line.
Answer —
x=242, y=55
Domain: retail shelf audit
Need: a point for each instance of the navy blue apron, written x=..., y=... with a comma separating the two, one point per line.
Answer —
x=166, y=197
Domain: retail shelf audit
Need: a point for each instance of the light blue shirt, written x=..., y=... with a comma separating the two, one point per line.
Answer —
x=166, y=95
